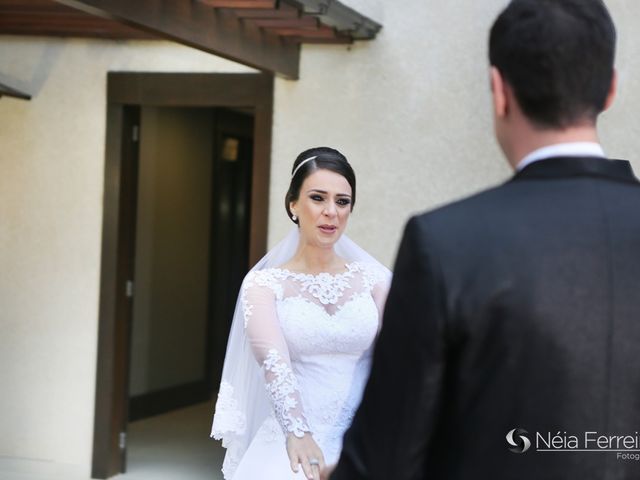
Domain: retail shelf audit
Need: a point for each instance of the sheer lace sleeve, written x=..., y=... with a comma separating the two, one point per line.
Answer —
x=378, y=280
x=269, y=347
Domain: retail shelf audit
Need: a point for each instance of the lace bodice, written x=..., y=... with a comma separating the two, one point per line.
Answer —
x=311, y=334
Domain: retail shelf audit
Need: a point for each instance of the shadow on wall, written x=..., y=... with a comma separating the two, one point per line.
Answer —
x=29, y=73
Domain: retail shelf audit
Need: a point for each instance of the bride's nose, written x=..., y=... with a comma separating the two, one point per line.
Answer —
x=330, y=210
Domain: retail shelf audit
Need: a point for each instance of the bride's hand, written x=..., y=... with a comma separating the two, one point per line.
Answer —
x=306, y=452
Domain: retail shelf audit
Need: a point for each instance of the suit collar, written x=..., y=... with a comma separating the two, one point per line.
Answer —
x=559, y=167
x=566, y=149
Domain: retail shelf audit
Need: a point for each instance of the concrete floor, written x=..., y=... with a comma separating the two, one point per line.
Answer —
x=174, y=446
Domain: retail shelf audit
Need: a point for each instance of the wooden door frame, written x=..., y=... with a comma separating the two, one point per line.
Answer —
x=164, y=90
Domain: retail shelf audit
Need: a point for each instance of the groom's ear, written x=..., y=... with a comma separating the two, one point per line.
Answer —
x=499, y=93
x=613, y=88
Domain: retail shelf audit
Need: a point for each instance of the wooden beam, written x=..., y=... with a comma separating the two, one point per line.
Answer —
x=266, y=4
x=63, y=24
x=282, y=12
x=46, y=17
x=306, y=22
x=339, y=40
x=215, y=31
x=324, y=32
x=187, y=89
x=10, y=5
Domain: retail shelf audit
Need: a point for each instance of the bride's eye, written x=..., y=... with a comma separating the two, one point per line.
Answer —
x=344, y=202
x=316, y=198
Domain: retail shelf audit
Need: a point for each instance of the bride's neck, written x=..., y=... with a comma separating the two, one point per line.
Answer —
x=314, y=259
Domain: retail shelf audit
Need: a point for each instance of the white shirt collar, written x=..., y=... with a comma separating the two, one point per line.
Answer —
x=573, y=149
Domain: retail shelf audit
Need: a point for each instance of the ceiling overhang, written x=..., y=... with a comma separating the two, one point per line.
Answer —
x=264, y=34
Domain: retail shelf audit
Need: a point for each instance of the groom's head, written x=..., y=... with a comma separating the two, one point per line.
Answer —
x=556, y=58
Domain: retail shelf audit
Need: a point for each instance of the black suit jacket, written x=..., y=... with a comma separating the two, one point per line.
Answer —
x=516, y=308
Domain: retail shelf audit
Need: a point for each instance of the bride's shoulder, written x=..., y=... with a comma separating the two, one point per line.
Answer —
x=263, y=275
x=267, y=277
x=373, y=273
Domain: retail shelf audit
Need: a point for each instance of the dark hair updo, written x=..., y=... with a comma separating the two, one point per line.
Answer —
x=325, y=158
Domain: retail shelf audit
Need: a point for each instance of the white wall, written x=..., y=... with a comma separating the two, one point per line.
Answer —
x=373, y=9
x=620, y=126
x=51, y=186
x=410, y=110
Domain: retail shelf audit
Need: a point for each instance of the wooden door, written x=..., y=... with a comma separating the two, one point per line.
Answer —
x=127, y=92
x=116, y=295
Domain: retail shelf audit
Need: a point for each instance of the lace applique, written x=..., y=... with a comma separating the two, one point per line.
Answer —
x=282, y=386
x=372, y=275
x=327, y=288
x=230, y=465
x=228, y=417
x=263, y=278
x=268, y=278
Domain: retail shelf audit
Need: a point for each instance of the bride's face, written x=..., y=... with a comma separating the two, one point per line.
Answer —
x=323, y=207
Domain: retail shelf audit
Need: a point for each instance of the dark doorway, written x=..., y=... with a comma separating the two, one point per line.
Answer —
x=231, y=204
x=186, y=189
x=192, y=239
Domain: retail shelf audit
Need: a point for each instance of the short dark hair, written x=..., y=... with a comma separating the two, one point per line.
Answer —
x=325, y=158
x=557, y=55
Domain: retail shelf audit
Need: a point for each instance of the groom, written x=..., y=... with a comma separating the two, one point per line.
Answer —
x=511, y=335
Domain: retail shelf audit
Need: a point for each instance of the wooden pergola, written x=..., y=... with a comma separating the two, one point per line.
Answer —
x=264, y=34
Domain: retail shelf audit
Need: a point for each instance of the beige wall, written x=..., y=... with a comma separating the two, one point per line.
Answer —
x=411, y=110
x=51, y=185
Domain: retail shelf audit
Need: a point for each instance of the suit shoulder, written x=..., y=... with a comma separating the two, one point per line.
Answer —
x=462, y=210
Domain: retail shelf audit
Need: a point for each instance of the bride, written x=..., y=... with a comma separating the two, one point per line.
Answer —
x=299, y=350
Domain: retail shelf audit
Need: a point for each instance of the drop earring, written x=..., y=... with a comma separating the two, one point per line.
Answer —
x=294, y=218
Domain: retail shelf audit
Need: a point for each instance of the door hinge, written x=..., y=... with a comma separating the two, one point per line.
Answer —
x=129, y=289
x=135, y=134
x=122, y=443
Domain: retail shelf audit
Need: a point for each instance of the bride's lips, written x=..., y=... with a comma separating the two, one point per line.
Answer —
x=328, y=228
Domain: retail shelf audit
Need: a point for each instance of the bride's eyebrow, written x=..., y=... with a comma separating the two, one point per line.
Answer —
x=324, y=192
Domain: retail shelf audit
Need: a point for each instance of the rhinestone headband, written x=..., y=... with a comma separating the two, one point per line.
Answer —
x=301, y=164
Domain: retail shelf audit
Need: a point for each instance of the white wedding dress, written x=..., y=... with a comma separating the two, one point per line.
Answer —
x=312, y=335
